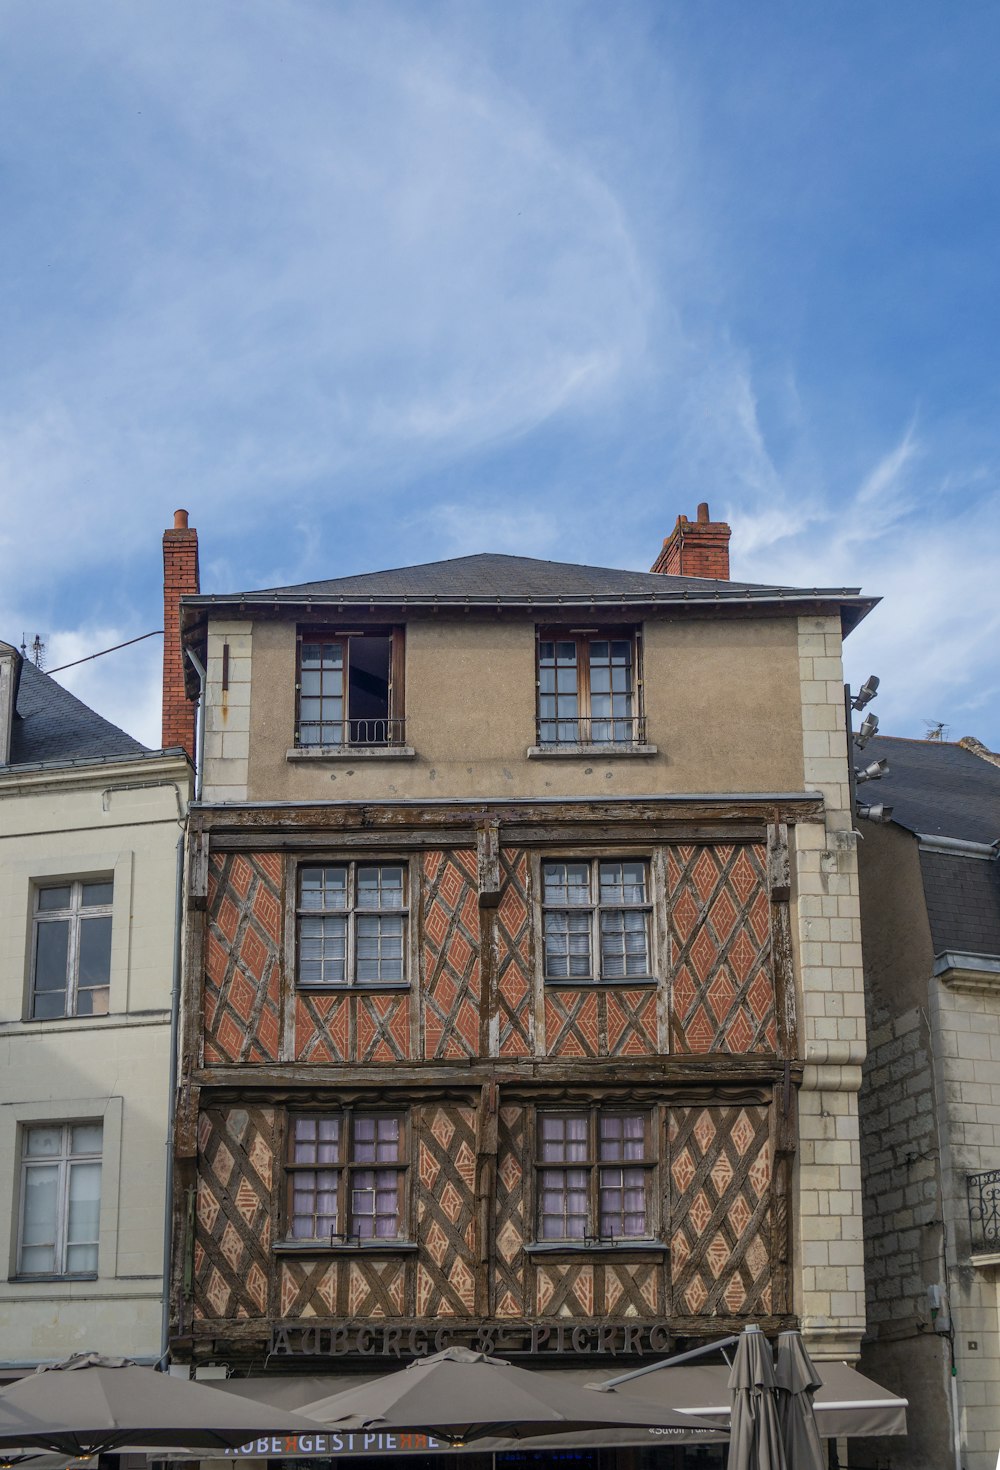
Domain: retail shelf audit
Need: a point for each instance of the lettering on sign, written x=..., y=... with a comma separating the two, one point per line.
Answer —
x=576, y=1339
x=272, y=1446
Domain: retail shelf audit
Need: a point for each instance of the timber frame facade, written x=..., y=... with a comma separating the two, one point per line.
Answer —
x=597, y=1146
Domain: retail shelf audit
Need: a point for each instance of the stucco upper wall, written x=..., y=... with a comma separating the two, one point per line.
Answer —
x=722, y=700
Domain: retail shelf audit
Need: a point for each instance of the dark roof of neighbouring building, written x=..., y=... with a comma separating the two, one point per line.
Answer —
x=493, y=579
x=53, y=725
x=936, y=788
x=963, y=902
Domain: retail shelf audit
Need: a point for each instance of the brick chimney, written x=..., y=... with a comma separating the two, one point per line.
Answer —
x=180, y=577
x=696, y=548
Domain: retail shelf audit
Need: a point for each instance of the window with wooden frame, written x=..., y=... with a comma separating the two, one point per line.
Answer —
x=346, y=1176
x=350, y=688
x=589, y=686
x=352, y=920
x=596, y=919
x=595, y=1174
x=71, y=958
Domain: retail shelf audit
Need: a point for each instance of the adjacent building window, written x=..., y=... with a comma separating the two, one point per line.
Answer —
x=350, y=689
x=596, y=918
x=346, y=1175
x=60, y=1200
x=588, y=689
x=595, y=1175
x=352, y=924
x=71, y=968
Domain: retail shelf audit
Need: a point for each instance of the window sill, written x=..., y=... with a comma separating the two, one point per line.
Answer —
x=589, y=752
x=630, y=982
x=596, y=1248
x=343, y=1247
x=984, y=1258
x=351, y=753
x=367, y=988
x=52, y=1277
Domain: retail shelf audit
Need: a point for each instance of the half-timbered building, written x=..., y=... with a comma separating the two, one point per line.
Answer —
x=522, y=997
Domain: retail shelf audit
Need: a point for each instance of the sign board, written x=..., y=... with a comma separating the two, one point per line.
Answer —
x=538, y=1339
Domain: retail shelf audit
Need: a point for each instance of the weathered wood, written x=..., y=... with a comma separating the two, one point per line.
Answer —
x=197, y=870
x=488, y=862
x=779, y=872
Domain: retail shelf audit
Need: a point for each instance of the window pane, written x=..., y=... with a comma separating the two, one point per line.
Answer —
x=81, y=1257
x=84, y=1217
x=624, y=949
x=41, y=1196
x=380, y=948
x=566, y=883
x=43, y=1142
x=564, y=1137
x=51, y=951
x=623, y=883
x=85, y=1138
x=97, y=893
x=380, y=888
x=323, y=889
x=53, y=898
x=95, y=951
x=567, y=946
x=323, y=950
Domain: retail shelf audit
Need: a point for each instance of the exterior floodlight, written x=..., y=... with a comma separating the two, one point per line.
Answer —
x=874, y=772
x=869, y=727
x=877, y=812
x=866, y=693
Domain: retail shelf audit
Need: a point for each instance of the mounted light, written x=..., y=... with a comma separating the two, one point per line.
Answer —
x=877, y=812
x=866, y=693
x=869, y=727
x=874, y=772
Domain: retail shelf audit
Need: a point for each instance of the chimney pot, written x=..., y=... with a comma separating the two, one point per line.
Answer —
x=180, y=520
x=696, y=548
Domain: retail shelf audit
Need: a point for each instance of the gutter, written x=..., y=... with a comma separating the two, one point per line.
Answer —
x=484, y=803
x=168, y=1199
x=957, y=846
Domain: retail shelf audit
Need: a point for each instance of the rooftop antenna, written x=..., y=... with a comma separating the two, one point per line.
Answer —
x=37, y=650
x=937, y=730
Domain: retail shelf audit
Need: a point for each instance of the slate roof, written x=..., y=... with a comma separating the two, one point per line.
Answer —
x=963, y=902
x=493, y=578
x=935, y=787
x=53, y=725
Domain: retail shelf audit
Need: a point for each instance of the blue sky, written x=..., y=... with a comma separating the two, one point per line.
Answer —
x=369, y=284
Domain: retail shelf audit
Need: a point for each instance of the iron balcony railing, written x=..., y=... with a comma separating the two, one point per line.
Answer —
x=984, y=1211
x=346, y=734
x=593, y=730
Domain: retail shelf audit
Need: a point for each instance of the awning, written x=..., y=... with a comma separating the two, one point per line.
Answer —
x=847, y=1404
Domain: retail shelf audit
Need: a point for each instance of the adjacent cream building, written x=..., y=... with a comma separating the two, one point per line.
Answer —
x=90, y=823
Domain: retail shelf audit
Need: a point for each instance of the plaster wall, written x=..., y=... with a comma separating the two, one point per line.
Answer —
x=470, y=718
x=113, y=1068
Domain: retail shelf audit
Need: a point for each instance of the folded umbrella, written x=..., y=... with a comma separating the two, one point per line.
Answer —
x=89, y=1404
x=798, y=1382
x=754, y=1432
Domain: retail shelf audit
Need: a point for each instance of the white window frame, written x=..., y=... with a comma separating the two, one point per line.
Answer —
x=65, y=1161
x=595, y=908
x=74, y=914
x=351, y=913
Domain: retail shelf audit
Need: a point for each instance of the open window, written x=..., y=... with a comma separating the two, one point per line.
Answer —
x=350, y=688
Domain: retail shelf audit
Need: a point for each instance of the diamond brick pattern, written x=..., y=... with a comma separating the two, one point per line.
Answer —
x=352, y=1027
x=721, y=1210
x=445, y=1136
x=593, y=1289
x=719, y=918
x=236, y=1172
x=243, y=958
x=511, y=1261
x=515, y=999
x=571, y=1023
x=450, y=1001
x=599, y=1022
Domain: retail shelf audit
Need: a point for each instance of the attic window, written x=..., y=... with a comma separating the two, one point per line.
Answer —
x=350, y=688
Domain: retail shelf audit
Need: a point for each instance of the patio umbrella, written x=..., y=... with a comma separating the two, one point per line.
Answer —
x=459, y=1395
x=89, y=1404
x=798, y=1382
x=754, y=1431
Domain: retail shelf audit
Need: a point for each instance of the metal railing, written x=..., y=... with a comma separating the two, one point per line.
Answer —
x=344, y=734
x=984, y=1211
x=623, y=730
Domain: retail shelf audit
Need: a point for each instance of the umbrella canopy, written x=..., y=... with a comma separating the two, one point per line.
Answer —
x=754, y=1431
x=89, y=1404
x=459, y=1395
x=798, y=1382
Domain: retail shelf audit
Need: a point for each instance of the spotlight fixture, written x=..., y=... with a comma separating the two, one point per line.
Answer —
x=866, y=693
x=877, y=812
x=869, y=727
x=874, y=772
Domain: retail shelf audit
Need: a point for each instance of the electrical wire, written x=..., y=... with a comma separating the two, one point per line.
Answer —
x=156, y=633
